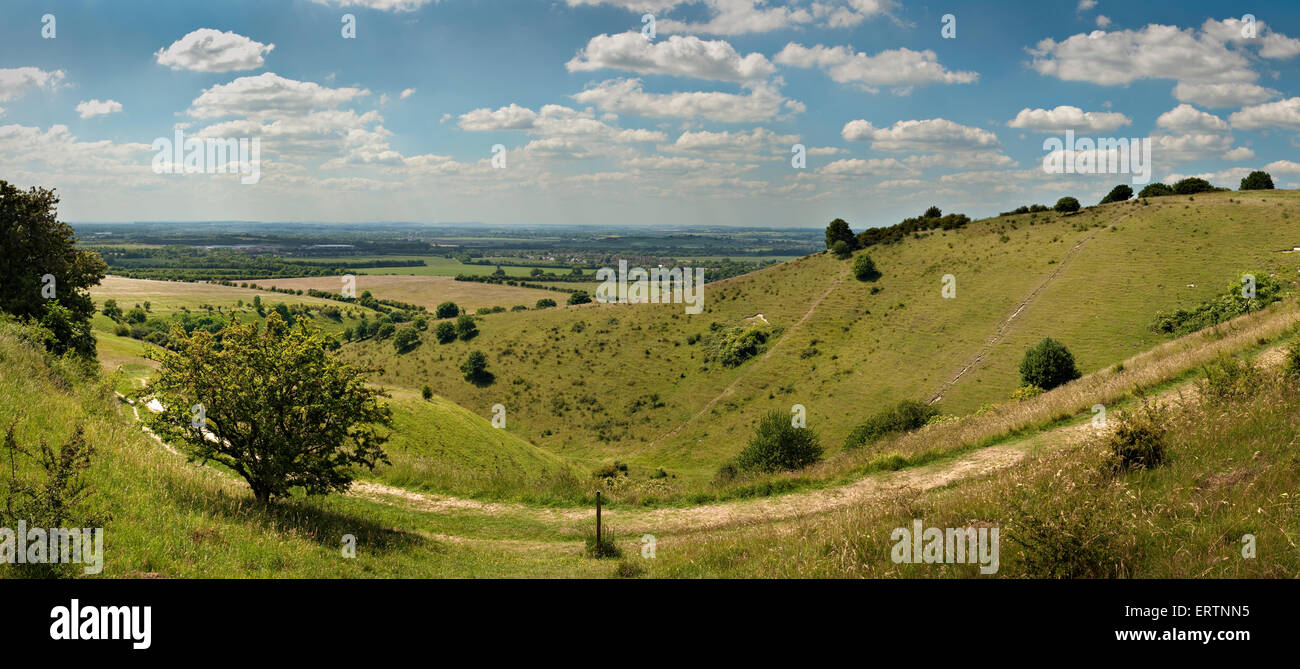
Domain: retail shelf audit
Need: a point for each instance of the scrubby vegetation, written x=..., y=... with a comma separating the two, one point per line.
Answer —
x=1237, y=299
x=777, y=445
x=905, y=416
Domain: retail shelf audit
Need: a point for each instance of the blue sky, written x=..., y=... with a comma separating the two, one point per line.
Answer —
x=602, y=125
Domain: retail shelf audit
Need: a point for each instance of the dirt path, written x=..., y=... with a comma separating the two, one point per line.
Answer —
x=731, y=387
x=1006, y=323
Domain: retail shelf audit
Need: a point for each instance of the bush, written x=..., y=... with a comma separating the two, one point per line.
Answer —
x=475, y=366
x=386, y=330
x=601, y=547
x=427, y=393
x=905, y=416
x=1257, y=180
x=864, y=268
x=1027, y=392
x=1291, y=366
x=447, y=310
x=841, y=249
x=466, y=328
x=1067, y=205
x=1228, y=378
x=1156, y=189
x=932, y=212
x=777, y=445
x=1048, y=365
x=406, y=340
x=733, y=346
x=1070, y=525
x=1139, y=440
x=545, y=303
x=1120, y=193
x=579, y=297
x=445, y=333
x=1192, y=186
x=1227, y=306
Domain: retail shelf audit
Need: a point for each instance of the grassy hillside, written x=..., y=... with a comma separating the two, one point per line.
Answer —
x=606, y=382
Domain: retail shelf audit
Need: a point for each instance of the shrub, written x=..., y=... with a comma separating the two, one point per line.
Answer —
x=777, y=445
x=579, y=297
x=1026, y=392
x=1120, y=193
x=733, y=346
x=841, y=249
x=466, y=328
x=447, y=310
x=406, y=340
x=1291, y=366
x=905, y=416
x=726, y=473
x=475, y=366
x=545, y=303
x=1257, y=180
x=1138, y=442
x=445, y=333
x=1230, y=304
x=932, y=212
x=1048, y=365
x=602, y=546
x=1067, y=205
x=864, y=268
x=1069, y=526
x=1192, y=186
x=386, y=330
x=1156, y=189
x=427, y=393
x=1228, y=378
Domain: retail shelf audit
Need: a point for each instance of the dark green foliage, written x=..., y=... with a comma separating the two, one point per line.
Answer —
x=1192, y=186
x=905, y=416
x=864, y=268
x=466, y=328
x=895, y=233
x=475, y=366
x=1257, y=180
x=447, y=310
x=838, y=231
x=1047, y=365
x=34, y=245
x=1156, y=189
x=445, y=332
x=545, y=303
x=841, y=249
x=1227, y=306
x=1067, y=205
x=779, y=446
x=386, y=330
x=427, y=393
x=1228, y=378
x=1120, y=193
x=932, y=212
x=579, y=297
x=406, y=340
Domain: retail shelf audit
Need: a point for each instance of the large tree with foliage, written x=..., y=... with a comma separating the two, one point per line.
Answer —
x=43, y=276
x=1048, y=365
x=1257, y=180
x=271, y=404
x=839, y=231
x=1120, y=193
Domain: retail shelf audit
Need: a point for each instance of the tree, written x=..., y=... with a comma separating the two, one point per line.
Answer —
x=273, y=404
x=1120, y=193
x=1047, y=365
x=864, y=268
x=1067, y=205
x=406, y=339
x=579, y=297
x=475, y=366
x=386, y=330
x=545, y=303
x=421, y=323
x=1257, y=180
x=536, y=272
x=447, y=310
x=40, y=266
x=841, y=249
x=427, y=393
x=839, y=230
x=113, y=311
x=1156, y=189
x=466, y=328
x=932, y=212
x=445, y=333
x=777, y=445
x=1192, y=185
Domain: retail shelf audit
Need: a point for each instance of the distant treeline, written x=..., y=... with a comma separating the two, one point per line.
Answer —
x=505, y=281
x=185, y=264
x=931, y=220
x=366, y=299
